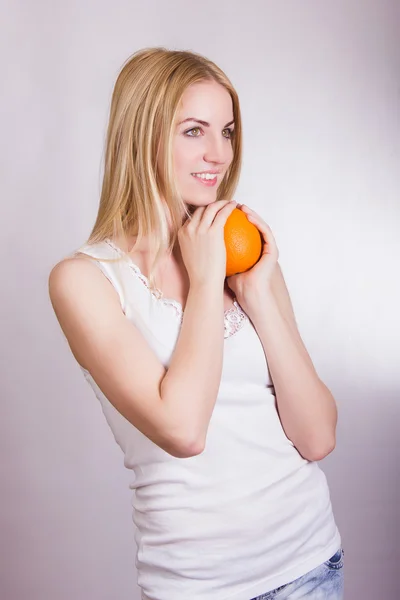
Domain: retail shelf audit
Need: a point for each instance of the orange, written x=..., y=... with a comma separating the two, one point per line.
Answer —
x=243, y=243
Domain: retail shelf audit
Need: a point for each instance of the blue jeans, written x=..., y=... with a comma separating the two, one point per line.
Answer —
x=323, y=583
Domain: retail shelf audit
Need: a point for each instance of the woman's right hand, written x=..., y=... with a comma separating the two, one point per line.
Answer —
x=202, y=245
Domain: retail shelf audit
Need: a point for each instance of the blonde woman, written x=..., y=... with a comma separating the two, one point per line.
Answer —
x=204, y=381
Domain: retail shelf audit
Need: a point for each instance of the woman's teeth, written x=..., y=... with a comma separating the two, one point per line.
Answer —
x=205, y=175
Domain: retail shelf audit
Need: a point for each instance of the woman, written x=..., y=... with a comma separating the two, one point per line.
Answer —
x=206, y=384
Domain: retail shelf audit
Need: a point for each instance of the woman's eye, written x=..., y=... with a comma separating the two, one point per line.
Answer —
x=191, y=133
x=228, y=133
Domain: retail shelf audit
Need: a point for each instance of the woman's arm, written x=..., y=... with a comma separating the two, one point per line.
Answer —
x=173, y=406
x=306, y=407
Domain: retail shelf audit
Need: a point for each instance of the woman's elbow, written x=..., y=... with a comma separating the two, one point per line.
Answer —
x=184, y=446
x=319, y=449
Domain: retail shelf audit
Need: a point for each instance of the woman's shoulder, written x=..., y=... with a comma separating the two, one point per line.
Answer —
x=73, y=274
x=79, y=269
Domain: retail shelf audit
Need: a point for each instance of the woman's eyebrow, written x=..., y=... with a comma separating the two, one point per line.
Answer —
x=203, y=122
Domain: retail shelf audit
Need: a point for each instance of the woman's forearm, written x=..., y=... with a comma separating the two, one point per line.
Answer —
x=306, y=407
x=191, y=384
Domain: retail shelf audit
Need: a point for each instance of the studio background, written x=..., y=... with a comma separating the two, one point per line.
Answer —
x=320, y=95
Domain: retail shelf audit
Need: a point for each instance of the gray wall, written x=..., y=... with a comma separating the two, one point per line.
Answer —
x=319, y=86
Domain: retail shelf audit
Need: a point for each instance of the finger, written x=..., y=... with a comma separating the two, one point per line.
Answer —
x=264, y=229
x=249, y=212
x=212, y=210
x=222, y=216
x=255, y=218
x=196, y=217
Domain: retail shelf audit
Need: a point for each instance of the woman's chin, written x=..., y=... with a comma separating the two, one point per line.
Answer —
x=201, y=201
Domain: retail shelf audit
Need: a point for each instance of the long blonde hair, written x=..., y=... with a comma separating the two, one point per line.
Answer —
x=136, y=199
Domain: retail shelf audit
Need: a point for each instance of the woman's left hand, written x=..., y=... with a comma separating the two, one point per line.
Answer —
x=255, y=283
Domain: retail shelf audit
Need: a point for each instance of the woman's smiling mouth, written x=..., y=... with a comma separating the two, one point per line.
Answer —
x=206, y=178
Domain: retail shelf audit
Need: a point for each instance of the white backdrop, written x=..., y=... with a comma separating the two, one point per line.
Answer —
x=319, y=88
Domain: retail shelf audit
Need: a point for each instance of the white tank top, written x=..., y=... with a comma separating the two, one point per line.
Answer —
x=248, y=514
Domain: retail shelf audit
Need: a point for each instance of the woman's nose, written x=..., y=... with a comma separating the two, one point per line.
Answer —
x=217, y=150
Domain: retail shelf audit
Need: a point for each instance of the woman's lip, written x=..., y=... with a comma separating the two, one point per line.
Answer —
x=207, y=182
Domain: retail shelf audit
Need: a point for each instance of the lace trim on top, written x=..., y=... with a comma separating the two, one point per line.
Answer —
x=234, y=317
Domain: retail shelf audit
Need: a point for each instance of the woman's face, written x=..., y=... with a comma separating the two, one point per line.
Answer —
x=202, y=142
